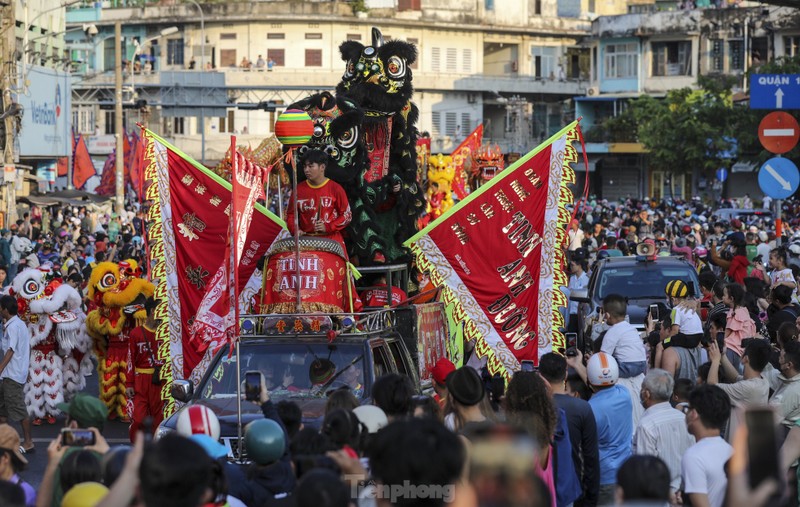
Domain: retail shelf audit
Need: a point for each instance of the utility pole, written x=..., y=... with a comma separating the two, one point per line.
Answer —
x=8, y=80
x=118, y=128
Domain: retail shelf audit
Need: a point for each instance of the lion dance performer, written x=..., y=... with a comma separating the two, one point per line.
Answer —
x=117, y=295
x=48, y=307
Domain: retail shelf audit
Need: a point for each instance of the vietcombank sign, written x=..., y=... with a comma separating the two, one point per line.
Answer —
x=46, y=119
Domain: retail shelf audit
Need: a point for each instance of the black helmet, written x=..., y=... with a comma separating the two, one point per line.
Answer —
x=264, y=441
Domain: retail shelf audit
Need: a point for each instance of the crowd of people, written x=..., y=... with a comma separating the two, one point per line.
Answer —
x=634, y=418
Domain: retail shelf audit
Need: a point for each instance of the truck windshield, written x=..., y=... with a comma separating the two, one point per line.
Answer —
x=290, y=370
x=641, y=281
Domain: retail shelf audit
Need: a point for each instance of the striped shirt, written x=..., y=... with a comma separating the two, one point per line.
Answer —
x=662, y=432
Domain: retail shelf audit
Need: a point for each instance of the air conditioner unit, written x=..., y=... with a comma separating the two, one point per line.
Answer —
x=471, y=98
x=593, y=91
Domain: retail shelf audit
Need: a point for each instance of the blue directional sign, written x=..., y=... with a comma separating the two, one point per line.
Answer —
x=779, y=178
x=722, y=174
x=775, y=91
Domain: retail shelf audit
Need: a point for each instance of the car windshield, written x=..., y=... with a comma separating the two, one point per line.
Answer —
x=291, y=370
x=642, y=280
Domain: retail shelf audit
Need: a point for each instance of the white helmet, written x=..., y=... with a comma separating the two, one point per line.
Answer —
x=198, y=420
x=602, y=370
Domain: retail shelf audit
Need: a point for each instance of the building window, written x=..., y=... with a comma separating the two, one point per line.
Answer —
x=276, y=36
x=450, y=61
x=466, y=124
x=735, y=55
x=488, y=5
x=277, y=56
x=621, y=60
x=353, y=36
x=537, y=6
x=110, y=123
x=179, y=125
x=415, y=42
x=227, y=58
x=466, y=62
x=313, y=58
x=672, y=58
x=83, y=119
x=229, y=125
x=227, y=36
x=436, y=60
x=313, y=36
x=436, y=123
x=716, y=55
x=544, y=62
x=450, y=124
x=791, y=45
x=175, y=52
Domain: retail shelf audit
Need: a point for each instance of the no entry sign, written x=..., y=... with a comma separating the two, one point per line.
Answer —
x=778, y=132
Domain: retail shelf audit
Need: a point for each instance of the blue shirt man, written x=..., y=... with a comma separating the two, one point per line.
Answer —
x=612, y=408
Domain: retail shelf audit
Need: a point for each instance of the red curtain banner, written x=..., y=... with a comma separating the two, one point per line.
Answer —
x=82, y=165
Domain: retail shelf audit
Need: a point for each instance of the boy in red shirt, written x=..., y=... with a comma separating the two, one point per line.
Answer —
x=322, y=205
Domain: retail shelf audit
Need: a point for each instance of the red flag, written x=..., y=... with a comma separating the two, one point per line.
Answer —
x=63, y=166
x=189, y=240
x=82, y=165
x=463, y=158
x=218, y=316
x=108, y=177
x=135, y=164
x=498, y=256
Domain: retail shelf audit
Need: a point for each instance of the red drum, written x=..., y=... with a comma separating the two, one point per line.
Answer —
x=323, y=275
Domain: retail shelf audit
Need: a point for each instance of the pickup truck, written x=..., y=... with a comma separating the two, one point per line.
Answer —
x=303, y=359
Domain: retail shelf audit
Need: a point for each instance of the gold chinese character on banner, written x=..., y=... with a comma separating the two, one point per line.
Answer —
x=200, y=189
x=215, y=200
x=187, y=179
x=298, y=326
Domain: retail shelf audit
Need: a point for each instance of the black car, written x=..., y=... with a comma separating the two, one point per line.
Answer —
x=303, y=368
x=639, y=279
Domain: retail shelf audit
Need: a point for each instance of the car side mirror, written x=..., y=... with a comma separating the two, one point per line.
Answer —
x=579, y=295
x=182, y=390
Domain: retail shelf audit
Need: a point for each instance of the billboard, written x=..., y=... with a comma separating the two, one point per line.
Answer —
x=46, y=117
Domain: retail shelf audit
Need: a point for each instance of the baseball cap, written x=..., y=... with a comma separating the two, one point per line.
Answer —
x=441, y=370
x=9, y=440
x=86, y=410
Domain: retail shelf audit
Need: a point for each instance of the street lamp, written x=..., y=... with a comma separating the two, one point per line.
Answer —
x=202, y=36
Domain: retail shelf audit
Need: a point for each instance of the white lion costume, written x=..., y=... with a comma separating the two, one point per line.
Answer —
x=59, y=343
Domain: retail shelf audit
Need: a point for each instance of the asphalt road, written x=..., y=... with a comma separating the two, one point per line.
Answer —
x=115, y=432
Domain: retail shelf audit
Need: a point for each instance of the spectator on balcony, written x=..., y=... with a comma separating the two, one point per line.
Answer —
x=192, y=64
x=270, y=64
x=245, y=63
x=260, y=63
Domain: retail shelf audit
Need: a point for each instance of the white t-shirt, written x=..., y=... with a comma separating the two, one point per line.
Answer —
x=577, y=282
x=702, y=469
x=784, y=275
x=622, y=341
x=17, y=338
x=688, y=320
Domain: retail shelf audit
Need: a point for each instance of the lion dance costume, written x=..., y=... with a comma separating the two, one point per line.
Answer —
x=117, y=295
x=59, y=344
